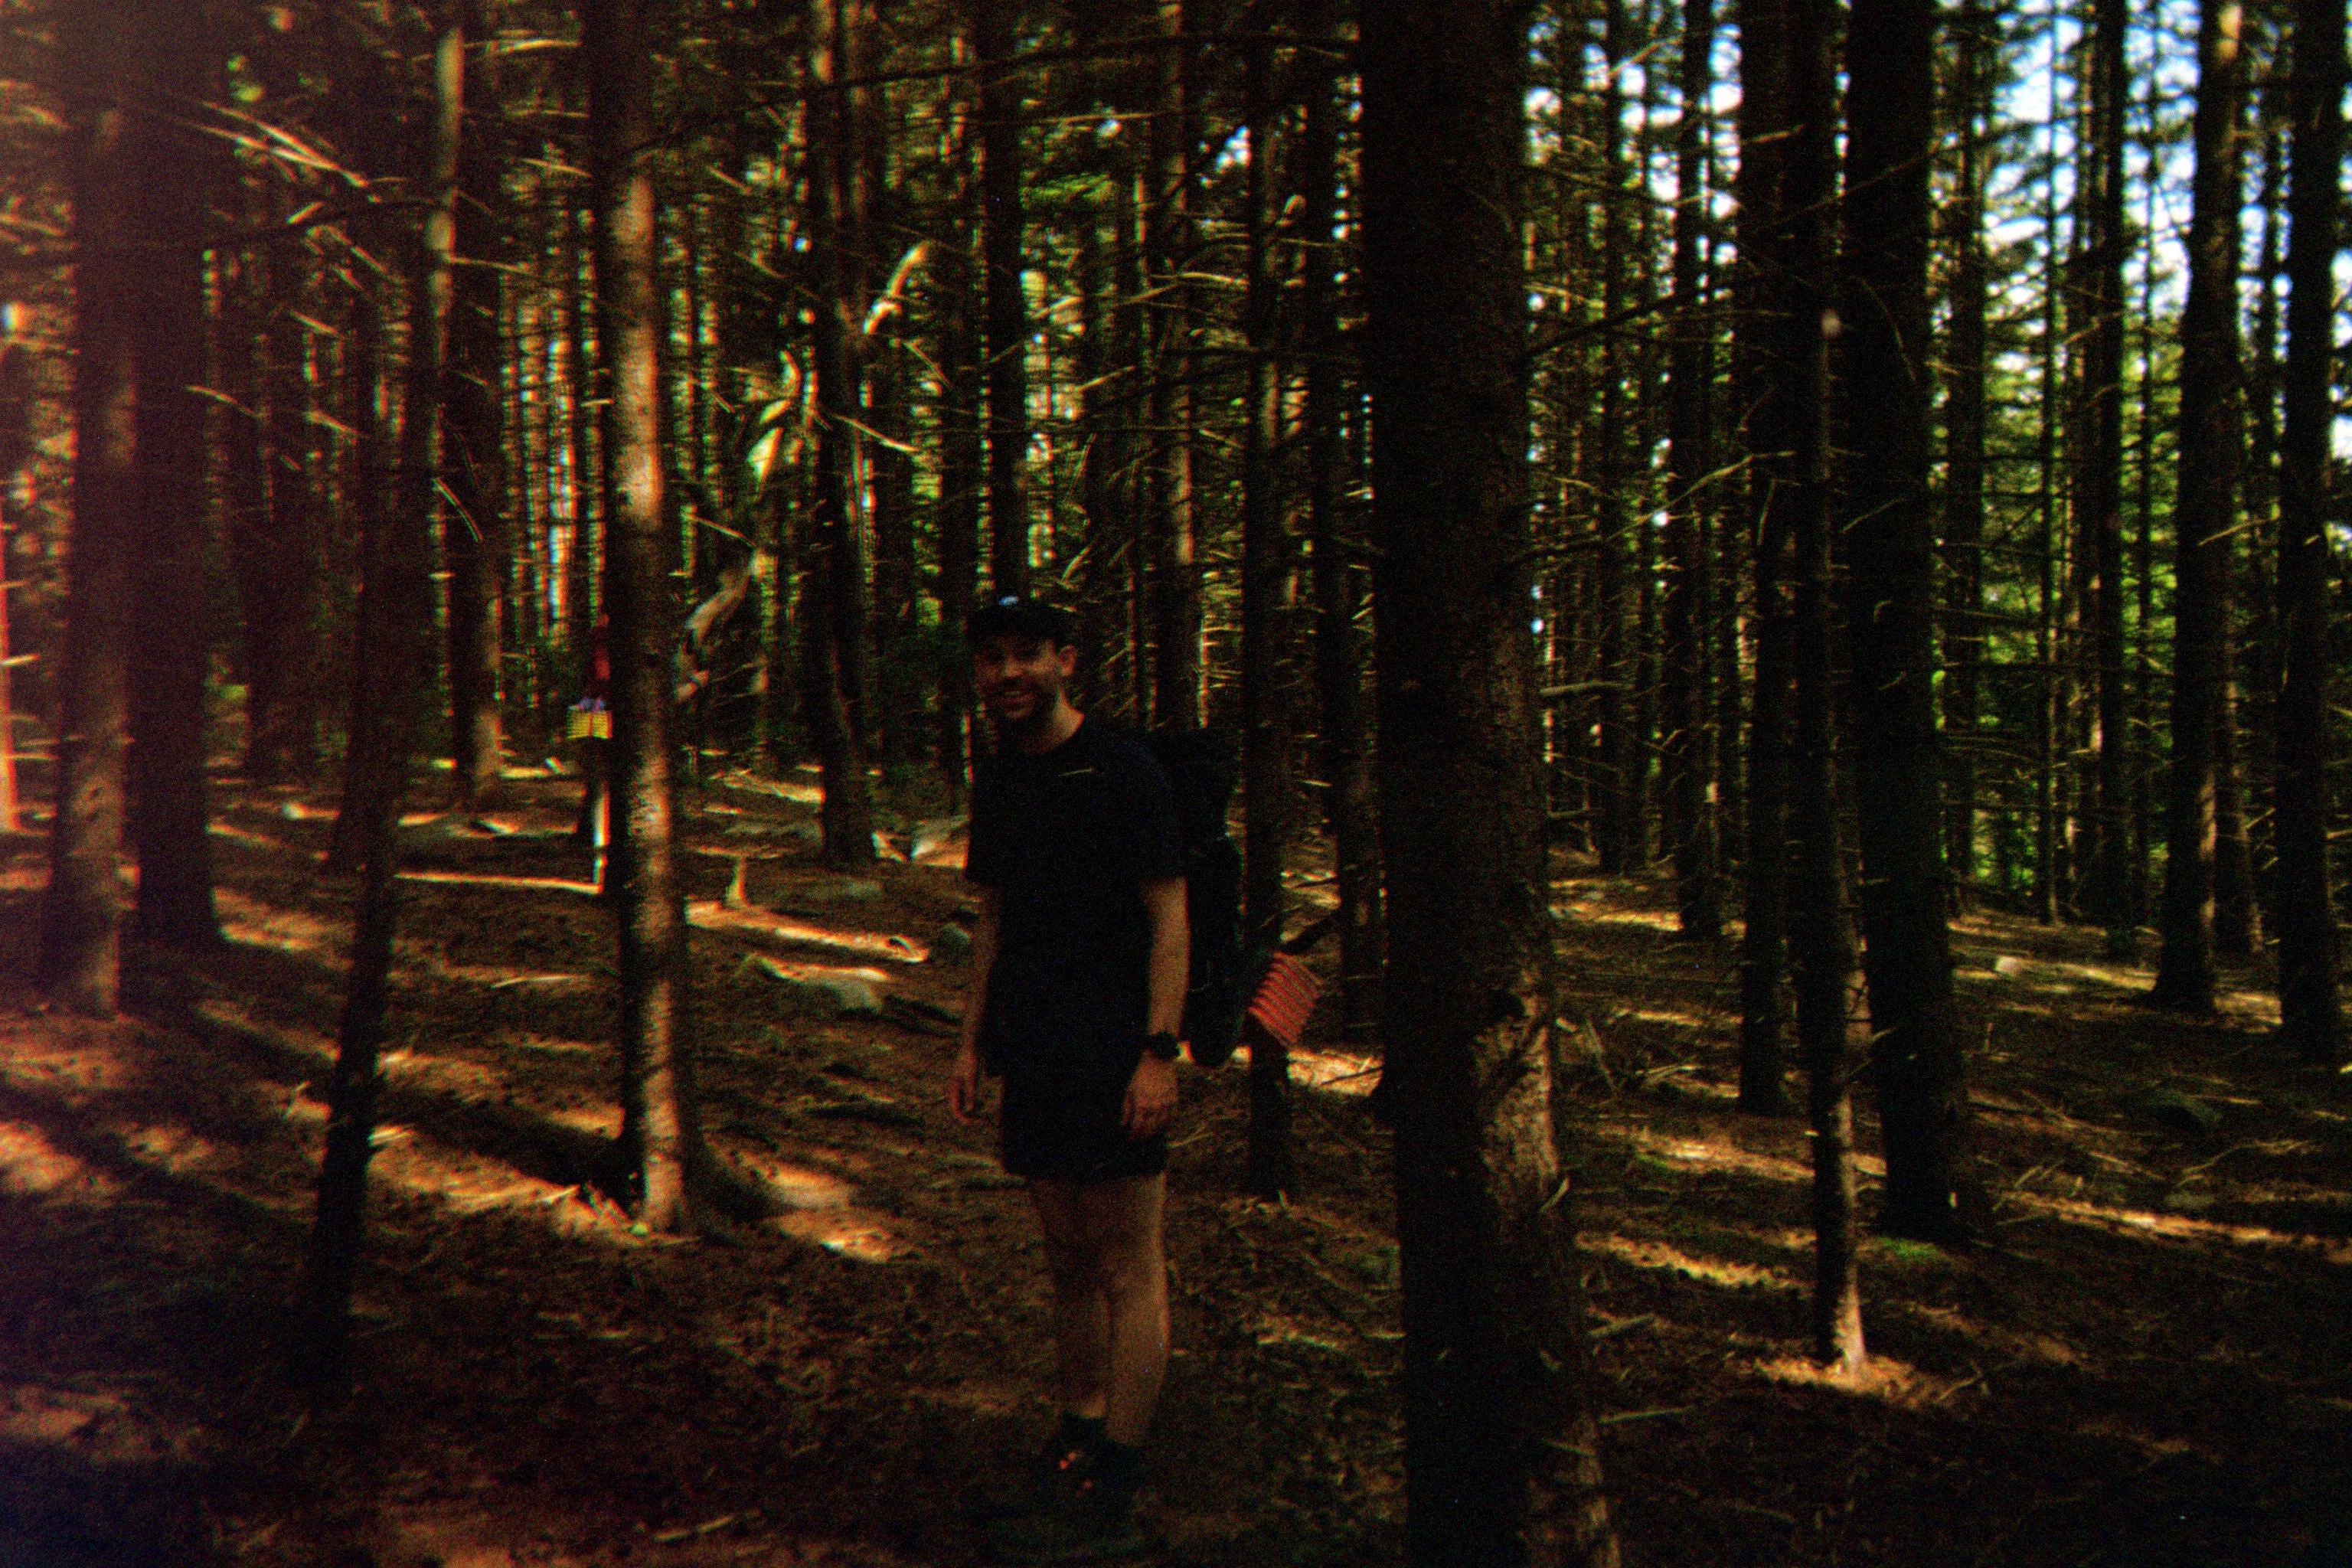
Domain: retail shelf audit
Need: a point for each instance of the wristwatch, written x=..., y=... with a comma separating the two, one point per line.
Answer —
x=1163, y=1044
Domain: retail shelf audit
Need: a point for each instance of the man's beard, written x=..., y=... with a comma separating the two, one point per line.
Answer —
x=1040, y=715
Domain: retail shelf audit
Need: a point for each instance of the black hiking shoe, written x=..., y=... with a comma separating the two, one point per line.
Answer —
x=1091, y=1523
x=1043, y=1482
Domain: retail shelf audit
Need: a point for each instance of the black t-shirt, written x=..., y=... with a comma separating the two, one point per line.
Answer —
x=1066, y=838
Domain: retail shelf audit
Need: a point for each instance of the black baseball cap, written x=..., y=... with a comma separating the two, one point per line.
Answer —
x=1023, y=616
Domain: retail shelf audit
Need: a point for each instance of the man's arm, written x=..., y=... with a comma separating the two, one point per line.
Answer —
x=1151, y=1093
x=963, y=1081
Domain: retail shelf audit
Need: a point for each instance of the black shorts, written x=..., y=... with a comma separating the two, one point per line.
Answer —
x=1063, y=1124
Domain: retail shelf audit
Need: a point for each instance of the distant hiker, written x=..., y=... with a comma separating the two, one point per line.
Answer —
x=1077, y=991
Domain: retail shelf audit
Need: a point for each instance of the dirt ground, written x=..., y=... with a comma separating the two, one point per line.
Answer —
x=2147, y=1364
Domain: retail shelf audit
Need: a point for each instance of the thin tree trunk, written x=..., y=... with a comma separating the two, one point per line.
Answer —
x=1178, y=671
x=1502, y=1463
x=168, y=808
x=2310, y=1012
x=395, y=610
x=1003, y=264
x=1691, y=827
x=1964, y=456
x=474, y=546
x=2098, y=499
x=2204, y=515
x=1765, y=116
x=961, y=453
x=830, y=669
x=102, y=51
x=1821, y=928
x=1269, y=584
x=1339, y=597
x=1889, y=537
x=661, y=1138
x=1619, y=823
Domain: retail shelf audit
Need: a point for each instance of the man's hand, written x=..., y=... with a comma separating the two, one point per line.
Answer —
x=963, y=1084
x=1150, y=1098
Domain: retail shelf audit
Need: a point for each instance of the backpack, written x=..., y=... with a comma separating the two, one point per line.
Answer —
x=1201, y=767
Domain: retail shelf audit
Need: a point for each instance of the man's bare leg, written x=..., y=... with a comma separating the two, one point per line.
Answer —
x=1124, y=1220
x=1081, y=1315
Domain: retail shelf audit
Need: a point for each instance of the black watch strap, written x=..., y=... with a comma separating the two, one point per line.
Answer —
x=1163, y=1044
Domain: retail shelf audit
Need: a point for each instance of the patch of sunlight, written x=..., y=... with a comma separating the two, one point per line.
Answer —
x=452, y=1074
x=32, y=1166
x=711, y=915
x=291, y=1038
x=501, y=977
x=24, y=879
x=73, y=1061
x=2260, y=1005
x=604, y=1120
x=32, y=1416
x=796, y=1187
x=1663, y=1016
x=2008, y=1342
x=2121, y=1221
x=470, y=1183
x=249, y=920
x=1339, y=1073
x=1881, y=1377
x=497, y=879
x=176, y=1149
x=1646, y=1254
x=245, y=836
x=1724, y=1156
x=554, y=1047
x=785, y=969
x=784, y=789
x=1595, y=914
x=2116, y=1429
x=1272, y=1329
x=852, y=1232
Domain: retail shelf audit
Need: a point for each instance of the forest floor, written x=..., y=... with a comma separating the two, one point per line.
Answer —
x=2147, y=1363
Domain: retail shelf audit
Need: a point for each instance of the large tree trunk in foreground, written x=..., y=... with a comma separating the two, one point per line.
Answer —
x=1890, y=538
x=2310, y=1014
x=396, y=605
x=1173, y=514
x=1972, y=109
x=658, y=1130
x=104, y=53
x=2204, y=515
x=1502, y=1461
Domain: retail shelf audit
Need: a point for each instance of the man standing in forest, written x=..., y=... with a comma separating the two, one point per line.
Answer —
x=1077, y=991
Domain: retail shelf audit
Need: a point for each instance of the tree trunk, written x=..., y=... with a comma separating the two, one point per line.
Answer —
x=103, y=49
x=2098, y=499
x=395, y=613
x=473, y=546
x=1177, y=673
x=1822, y=955
x=1003, y=231
x=659, y=1135
x=1890, y=538
x=961, y=454
x=2204, y=514
x=2310, y=1014
x=279, y=577
x=1339, y=597
x=1621, y=826
x=1269, y=584
x=168, y=808
x=1502, y=1461
x=1765, y=116
x=1964, y=454
x=1690, y=822
x=830, y=669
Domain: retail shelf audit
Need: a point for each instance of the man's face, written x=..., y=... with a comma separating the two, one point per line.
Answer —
x=1021, y=677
